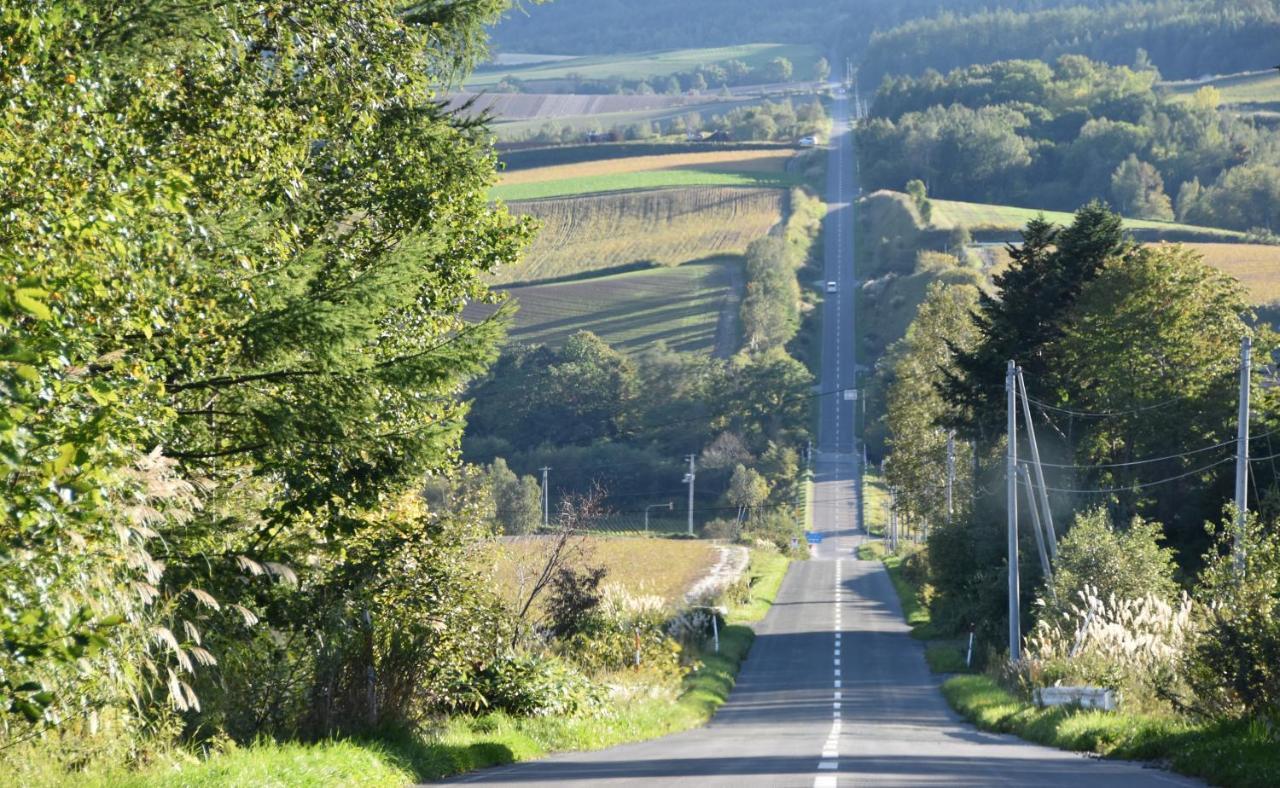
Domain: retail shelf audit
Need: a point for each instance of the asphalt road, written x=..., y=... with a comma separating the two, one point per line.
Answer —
x=835, y=692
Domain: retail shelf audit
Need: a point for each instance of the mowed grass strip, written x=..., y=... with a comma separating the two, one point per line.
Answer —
x=653, y=179
x=664, y=227
x=679, y=306
x=981, y=216
x=773, y=161
x=665, y=568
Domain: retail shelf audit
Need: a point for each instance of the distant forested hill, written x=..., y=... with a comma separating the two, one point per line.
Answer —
x=612, y=26
x=1183, y=38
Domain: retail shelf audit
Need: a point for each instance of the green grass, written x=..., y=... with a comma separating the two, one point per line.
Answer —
x=680, y=306
x=347, y=763
x=875, y=500
x=981, y=216
x=466, y=743
x=946, y=656
x=1227, y=753
x=643, y=65
x=630, y=181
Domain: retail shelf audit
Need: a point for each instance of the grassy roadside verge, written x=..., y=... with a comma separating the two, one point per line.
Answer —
x=944, y=655
x=466, y=743
x=1231, y=754
x=1237, y=754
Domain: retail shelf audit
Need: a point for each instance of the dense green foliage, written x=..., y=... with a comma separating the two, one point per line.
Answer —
x=1184, y=38
x=1025, y=132
x=625, y=423
x=1130, y=359
x=1130, y=355
x=1128, y=563
x=238, y=240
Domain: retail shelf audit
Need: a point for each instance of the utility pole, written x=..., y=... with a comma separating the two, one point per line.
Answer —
x=1011, y=503
x=893, y=520
x=1035, y=460
x=951, y=472
x=688, y=479
x=1242, y=450
x=546, y=499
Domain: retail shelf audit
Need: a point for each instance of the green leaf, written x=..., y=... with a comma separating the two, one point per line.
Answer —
x=29, y=374
x=28, y=300
x=66, y=455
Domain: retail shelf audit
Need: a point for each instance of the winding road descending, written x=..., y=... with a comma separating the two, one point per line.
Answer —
x=835, y=692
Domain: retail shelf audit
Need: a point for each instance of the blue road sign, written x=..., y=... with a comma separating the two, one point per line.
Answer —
x=813, y=537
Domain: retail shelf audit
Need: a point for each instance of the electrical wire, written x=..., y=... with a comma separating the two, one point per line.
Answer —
x=1143, y=485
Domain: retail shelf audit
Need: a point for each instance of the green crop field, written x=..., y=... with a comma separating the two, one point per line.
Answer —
x=641, y=228
x=983, y=217
x=646, y=64
x=679, y=306
x=631, y=181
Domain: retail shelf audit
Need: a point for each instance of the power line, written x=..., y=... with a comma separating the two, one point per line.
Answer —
x=1143, y=485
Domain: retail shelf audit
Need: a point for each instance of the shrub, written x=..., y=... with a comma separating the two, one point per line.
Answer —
x=729, y=530
x=623, y=624
x=575, y=595
x=532, y=685
x=1109, y=563
x=1234, y=665
x=1133, y=645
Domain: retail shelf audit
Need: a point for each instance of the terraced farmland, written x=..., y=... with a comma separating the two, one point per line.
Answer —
x=643, y=65
x=681, y=306
x=665, y=227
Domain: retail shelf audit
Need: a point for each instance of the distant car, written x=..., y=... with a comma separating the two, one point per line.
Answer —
x=831, y=287
x=807, y=142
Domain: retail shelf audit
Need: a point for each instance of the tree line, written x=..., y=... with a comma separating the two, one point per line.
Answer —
x=1185, y=39
x=1026, y=132
x=710, y=76
x=238, y=240
x=1130, y=356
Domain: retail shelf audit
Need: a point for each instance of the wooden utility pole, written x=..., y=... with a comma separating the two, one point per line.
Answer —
x=1011, y=503
x=1242, y=451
